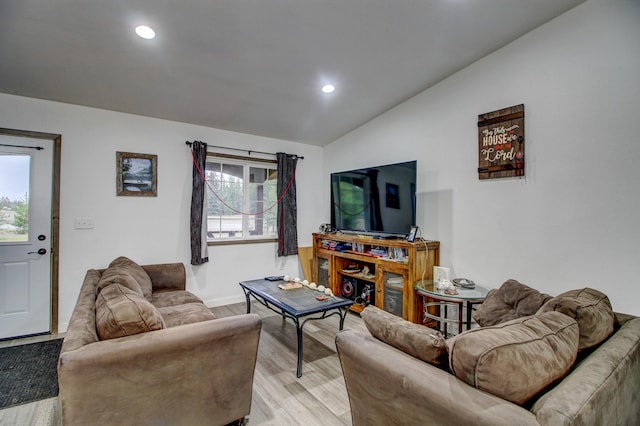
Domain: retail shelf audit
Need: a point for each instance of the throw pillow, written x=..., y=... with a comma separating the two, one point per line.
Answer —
x=512, y=300
x=416, y=340
x=517, y=359
x=592, y=311
x=122, y=312
x=137, y=272
x=117, y=275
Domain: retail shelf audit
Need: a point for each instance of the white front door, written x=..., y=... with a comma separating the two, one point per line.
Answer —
x=25, y=236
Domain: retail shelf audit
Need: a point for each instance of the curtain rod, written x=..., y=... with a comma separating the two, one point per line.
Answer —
x=39, y=148
x=248, y=151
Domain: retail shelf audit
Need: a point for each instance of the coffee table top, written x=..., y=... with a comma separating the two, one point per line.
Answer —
x=428, y=288
x=297, y=302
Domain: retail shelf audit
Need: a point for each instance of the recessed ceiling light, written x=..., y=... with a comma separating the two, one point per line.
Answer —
x=328, y=88
x=145, y=32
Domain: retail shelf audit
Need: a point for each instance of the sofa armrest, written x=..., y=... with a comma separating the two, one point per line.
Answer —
x=167, y=276
x=388, y=387
x=200, y=373
x=603, y=389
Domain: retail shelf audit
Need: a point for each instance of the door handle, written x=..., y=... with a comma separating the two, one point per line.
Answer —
x=40, y=252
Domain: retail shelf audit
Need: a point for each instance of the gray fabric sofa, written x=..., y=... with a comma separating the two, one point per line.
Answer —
x=193, y=369
x=389, y=384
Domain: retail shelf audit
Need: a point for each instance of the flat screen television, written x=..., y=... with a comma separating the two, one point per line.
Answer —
x=377, y=200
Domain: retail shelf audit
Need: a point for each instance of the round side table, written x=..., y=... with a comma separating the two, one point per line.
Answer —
x=428, y=296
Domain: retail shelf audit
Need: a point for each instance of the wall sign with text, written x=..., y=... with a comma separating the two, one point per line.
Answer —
x=501, y=143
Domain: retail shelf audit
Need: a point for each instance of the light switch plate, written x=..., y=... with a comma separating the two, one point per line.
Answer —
x=83, y=223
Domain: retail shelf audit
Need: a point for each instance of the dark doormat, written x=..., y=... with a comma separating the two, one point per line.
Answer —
x=29, y=372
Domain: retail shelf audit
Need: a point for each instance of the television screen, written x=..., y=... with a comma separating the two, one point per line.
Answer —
x=377, y=200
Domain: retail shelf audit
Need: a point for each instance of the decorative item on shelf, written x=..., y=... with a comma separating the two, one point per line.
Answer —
x=365, y=272
x=326, y=228
x=351, y=268
x=289, y=285
x=365, y=297
x=463, y=282
x=446, y=285
x=440, y=273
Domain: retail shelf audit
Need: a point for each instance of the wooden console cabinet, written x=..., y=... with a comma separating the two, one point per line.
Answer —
x=384, y=269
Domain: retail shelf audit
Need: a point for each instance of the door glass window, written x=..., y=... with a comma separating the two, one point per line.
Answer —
x=14, y=197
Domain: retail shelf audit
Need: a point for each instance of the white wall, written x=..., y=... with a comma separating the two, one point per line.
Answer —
x=573, y=220
x=151, y=230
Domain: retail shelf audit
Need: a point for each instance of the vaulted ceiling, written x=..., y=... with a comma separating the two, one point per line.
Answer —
x=253, y=66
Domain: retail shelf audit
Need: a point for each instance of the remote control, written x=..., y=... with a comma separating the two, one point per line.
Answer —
x=274, y=278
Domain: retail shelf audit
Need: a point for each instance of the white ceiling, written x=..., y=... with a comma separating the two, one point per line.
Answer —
x=252, y=66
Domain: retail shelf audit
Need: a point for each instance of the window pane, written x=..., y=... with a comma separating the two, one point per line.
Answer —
x=262, y=198
x=238, y=210
x=224, y=200
x=14, y=197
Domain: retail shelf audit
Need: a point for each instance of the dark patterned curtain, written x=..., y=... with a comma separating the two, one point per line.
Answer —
x=287, y=208
x=375, y=216
x=199, y=254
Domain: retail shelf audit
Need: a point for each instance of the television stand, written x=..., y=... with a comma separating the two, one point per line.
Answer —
x=369, y=270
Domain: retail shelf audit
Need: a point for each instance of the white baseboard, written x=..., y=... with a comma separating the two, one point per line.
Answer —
x=62, y=327
x=211, y=303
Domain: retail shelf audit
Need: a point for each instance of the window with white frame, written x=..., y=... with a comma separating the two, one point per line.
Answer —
x=241, y=198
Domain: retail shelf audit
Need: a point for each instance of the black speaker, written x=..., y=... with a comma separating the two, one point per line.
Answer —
x=348, y=288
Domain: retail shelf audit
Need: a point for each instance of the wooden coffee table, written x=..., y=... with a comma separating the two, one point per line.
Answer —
x=295, y=304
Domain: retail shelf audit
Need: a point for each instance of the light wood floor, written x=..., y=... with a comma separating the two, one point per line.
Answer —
x=318, y=398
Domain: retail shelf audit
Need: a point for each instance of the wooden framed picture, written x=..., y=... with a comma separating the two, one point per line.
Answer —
x=136, y=174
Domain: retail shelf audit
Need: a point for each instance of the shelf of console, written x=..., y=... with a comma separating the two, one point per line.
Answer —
x=362, y=257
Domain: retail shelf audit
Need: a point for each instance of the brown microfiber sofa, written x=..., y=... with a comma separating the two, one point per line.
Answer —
x=405, y=374
x=140, y=349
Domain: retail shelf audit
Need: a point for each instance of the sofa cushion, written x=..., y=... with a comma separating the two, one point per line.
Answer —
x=592, y=311
x=517, y=359
x=416, y=340
x=137, y=272
x=160, y=299
x=121, y=312
x=512, y=300
x=187, y=313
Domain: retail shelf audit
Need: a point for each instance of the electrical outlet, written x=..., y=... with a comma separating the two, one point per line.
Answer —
x=83, y=223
